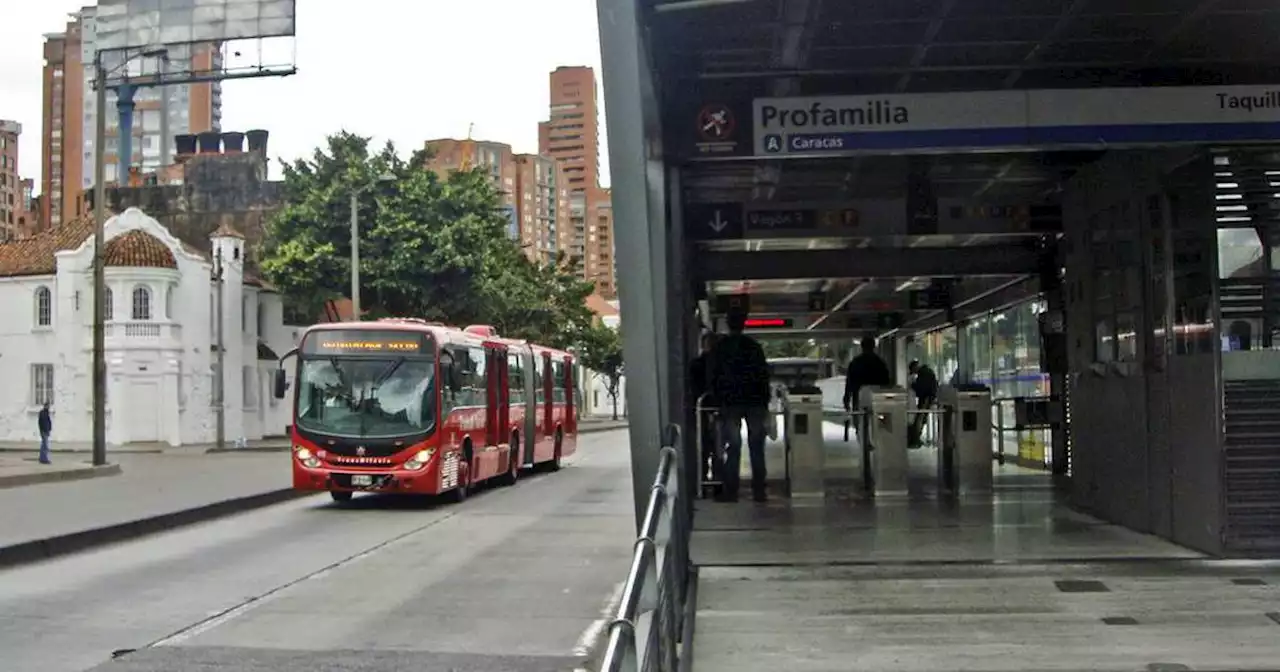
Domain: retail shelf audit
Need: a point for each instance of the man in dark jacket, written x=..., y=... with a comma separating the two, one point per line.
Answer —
x=45, y=423
x=925, y=385
x=740, y=383
x=699, y=385
x=865, y=369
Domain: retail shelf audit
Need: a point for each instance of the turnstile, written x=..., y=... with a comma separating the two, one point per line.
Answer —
x=806, y=448
x=884, y=444
x=965, y=455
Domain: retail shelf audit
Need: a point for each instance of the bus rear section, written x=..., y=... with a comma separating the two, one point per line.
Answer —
x=398, y=407
x=554, y=408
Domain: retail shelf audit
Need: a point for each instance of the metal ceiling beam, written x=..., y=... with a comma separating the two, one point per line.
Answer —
x=1014, y=259
x=1188, y=20
x=1069, y=14
x=930, y=34
x=1011, y=68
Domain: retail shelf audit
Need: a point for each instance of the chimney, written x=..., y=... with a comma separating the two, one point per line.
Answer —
x=184, y=145
x=257, y=141
x=210, y=142
x=232, y=142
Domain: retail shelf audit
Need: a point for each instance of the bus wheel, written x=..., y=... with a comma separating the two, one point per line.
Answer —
x=340, y=496
x=513, y=469
x=459, y=493
x=555, y=462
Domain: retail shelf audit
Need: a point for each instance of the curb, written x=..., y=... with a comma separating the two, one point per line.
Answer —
x=286, y=448
x=84, y=451
x=45, y=549
x=79, y=474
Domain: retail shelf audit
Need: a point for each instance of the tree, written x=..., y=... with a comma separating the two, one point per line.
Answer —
x=431, y=247
x=600, y=350
x=788, y=348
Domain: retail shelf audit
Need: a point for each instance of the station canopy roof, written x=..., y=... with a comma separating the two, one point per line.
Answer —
x=738, y=50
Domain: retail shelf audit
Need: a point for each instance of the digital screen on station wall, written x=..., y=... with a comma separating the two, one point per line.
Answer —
x=364, y=342
x=768, y=323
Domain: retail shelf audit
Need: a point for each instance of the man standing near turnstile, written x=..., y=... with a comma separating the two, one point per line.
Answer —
x=925, y=386
x=740, y=384
x=699, y=385
x=865, y=369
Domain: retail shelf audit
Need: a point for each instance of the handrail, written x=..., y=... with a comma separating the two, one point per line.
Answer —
x=646, y=630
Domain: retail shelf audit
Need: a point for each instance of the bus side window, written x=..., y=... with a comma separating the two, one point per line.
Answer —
x=557, y=381
x=479, y=377
x=450, y=368
x=539, y=376
x=515, y=380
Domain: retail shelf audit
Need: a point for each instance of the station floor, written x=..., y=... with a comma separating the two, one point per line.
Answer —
x=1015, y=581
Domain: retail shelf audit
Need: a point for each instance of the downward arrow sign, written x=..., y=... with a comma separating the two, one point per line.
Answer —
x=718, y=224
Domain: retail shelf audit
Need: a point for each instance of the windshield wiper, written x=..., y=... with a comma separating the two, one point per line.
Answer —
x=386, y=373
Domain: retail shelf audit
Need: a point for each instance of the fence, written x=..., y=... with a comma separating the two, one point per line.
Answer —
x=648, y=628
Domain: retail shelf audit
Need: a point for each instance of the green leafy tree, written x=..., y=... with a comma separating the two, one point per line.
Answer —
x=430, y=246
x=788, y=348
x=600, y=350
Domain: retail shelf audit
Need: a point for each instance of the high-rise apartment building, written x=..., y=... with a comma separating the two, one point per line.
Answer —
x=448, y=154
x=70, y=121
x=572, y=137
x=15, y=192
x=543, y=198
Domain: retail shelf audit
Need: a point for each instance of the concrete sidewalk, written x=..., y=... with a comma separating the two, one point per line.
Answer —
x=21, y=471
x=153, y=492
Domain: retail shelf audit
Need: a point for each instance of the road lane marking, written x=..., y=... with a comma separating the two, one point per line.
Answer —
x=587, y=639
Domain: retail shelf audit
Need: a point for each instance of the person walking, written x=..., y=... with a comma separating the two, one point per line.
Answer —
x=45, y=423
x=867, y=369
x=740, y=383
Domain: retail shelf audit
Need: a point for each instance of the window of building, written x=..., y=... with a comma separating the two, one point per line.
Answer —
x=141, y=303
x=107, y=310
x=44, y=307
x=41, y=384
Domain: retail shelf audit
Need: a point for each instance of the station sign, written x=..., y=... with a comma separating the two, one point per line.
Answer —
x=845, y=125
x=713, y=221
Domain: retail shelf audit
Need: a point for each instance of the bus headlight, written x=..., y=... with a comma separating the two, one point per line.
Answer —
x=420, y=460
x=305, y=457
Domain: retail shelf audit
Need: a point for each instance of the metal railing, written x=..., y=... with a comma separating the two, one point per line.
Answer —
x=647, y=630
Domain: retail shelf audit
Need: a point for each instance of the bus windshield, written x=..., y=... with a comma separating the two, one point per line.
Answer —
x=361, y=397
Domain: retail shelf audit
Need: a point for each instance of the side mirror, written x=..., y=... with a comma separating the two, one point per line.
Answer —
x=281, y=384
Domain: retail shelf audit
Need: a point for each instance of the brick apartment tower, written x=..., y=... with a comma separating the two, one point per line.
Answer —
x=69, y=121
x=15, y=193
x=572, y=137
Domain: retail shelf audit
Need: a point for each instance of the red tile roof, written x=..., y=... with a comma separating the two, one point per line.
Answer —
x=138, y=249
x=226, y=230
x=34, y=255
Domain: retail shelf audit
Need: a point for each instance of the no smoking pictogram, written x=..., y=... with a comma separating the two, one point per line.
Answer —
x=716, y=123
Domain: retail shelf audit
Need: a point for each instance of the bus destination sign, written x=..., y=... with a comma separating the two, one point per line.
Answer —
x=354, y=342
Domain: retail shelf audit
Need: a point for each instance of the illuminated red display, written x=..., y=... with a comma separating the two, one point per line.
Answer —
x=768, y=323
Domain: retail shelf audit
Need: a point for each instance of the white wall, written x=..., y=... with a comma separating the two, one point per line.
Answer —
x=159, y=371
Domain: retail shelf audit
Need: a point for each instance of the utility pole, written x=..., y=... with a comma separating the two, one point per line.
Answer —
x=219, y=377
x=355, y=255
x=100, y=220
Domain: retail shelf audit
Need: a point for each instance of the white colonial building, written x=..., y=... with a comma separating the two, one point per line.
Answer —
x=160, y=336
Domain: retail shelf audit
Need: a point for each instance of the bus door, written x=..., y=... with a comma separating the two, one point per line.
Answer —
x=570, y=398
x=548, y=393
x=497, y=415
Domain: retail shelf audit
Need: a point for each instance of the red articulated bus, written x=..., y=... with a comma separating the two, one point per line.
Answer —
x=411, y=407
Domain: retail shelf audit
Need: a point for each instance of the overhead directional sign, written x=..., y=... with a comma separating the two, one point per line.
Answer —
x=713, y=221
x=834, y=125
x=817, y=302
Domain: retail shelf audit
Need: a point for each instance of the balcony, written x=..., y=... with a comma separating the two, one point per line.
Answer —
x=138, y=334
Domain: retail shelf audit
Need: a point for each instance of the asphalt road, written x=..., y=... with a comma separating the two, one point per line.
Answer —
x=513, y=579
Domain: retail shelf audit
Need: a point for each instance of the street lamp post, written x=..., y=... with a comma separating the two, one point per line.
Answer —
x=355, y=242
x=99, y=314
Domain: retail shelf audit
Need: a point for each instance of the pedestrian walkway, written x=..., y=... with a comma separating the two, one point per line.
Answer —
x=148, y=486
x=1011, y=582
x=18, y=471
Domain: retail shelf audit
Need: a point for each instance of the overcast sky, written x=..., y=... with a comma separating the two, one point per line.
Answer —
x=395, y=69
